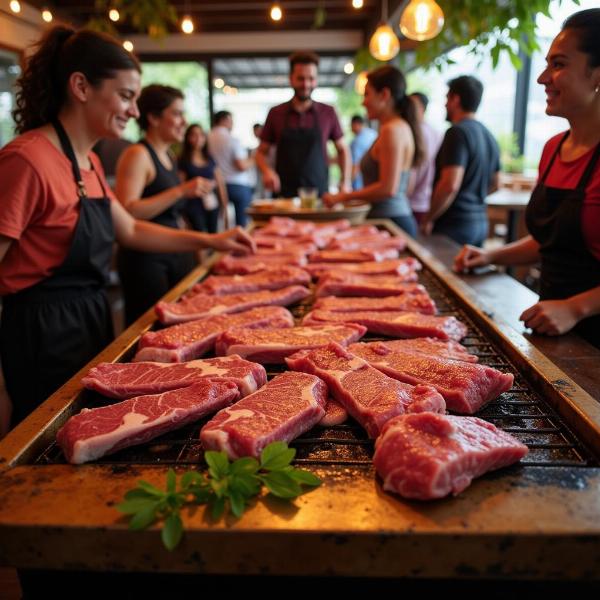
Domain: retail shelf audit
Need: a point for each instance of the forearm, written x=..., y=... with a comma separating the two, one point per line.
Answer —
x=151, y=237
x=261, y=162
x=345, y=163
x=586, y=304
x=522, y=252
x=441, y=200
x=373, y=193
x=148, y=208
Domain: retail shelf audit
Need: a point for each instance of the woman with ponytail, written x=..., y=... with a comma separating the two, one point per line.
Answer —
x=58, y=217
x=386, y=166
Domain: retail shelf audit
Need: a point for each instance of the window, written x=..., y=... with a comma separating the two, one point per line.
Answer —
x=9, y=71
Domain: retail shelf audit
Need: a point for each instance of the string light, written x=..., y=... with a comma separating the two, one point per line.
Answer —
x=187, y=25
x=348, y=68
x=47, y=15
x=15, y=6
x=357, y=4
x=128, y=45
x=114, y=15
x=384, y=44
x=422, y=20
x=276, y=12
x=219, y=83
x=360, y=83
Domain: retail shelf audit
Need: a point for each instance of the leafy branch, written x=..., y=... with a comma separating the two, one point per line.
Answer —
x=227, y=485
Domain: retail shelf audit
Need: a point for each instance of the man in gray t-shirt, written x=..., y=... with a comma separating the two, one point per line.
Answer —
x=467, y=167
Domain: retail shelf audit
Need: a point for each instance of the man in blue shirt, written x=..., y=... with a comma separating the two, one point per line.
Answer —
x=363, y=139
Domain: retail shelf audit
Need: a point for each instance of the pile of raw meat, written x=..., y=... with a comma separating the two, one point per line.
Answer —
x=399, y=389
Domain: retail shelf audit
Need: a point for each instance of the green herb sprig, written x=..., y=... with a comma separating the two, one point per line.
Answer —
x=227, y=484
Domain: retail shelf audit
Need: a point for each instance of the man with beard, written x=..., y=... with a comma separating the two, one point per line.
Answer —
x=300, y=129
x=467, y=166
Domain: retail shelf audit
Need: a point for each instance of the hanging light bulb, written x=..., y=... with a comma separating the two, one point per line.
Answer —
x=15, y=6
x=357, y=4
x=47, y=15
x=360, y=83
x=276, y=12
x=187, y=25
x=219, y=83
x=348, y=68
x=114, y=15
x=422, y=20
x=384, y=44
x=128, y=45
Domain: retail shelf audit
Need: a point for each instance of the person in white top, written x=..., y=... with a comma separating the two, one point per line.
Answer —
x=232, y=159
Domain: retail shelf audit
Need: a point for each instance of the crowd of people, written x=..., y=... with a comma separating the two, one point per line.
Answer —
x=59, y=217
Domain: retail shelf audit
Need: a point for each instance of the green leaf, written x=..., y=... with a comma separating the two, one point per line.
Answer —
x=276, y=456
x=217, y=507
x=171, y=481
x=305, y=477
x=130, y=507
x=244, y=465
x=237, y=503
x=201, y=494
x=144, y=518
x=218, y=463
x=247, y=484
x=138, y=493
x=281, y=484
x=191, y=478
x=172, y=531
x=148, y=487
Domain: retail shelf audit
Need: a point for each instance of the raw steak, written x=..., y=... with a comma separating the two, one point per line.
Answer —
x=361, y=231
x=100, y=431
x=191, y=340
x=335, y=414
x=466, y=387
x=201, y=306
x=368, y=395
x=284, y=408
x=271, y=346
x=429, y=456
x=126, y=380
x=429, y=346
x=352, y=256
x=372, y=243
x=398, y=266
x=420, y=303
x=268, y=244
x=340, y=241
x=242, y=265
x=374, y=286
x=274, y=279
x=394, y=323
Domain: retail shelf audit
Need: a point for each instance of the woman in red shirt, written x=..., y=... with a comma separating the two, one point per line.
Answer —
x=563, y=215
x=58, y=217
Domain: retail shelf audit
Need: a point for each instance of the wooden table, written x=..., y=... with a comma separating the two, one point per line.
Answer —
x=514, y=203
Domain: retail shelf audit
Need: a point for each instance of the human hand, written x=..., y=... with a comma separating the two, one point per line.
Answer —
x=271, y=181
x=550, y=317
x=197, y=186
x=469, y=257
x=330, y=200
x=235, y=240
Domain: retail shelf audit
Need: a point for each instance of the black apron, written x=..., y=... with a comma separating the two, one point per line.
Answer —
x=553, y=218
x=53, y=328
x=300, y=158
x=147, y=276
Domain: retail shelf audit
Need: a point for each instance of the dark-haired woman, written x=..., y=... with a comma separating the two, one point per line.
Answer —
x=149, y=187
x=195, y=161
x=563, y=215
x=386, y=165
x=58, y=218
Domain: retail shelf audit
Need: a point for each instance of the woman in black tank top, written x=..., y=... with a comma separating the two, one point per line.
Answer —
x=149, y=187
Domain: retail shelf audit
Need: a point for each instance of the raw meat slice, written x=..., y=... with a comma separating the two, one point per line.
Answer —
x=274, y=279
x=353, y=256
x=283, y=409
x=429, y=456
x=394, y=323
x=268, y=244
x=465, y=387
x=361, y=231
x=271, y=346
x=201, y=306
x=186, y=341
x=351, y=284
x=126, y=380
x=368, y=395
x=335, y=414
x=431, y=347
x=420, y=303
x=368, y=243
x=100, y=431
x=242, y=265
x=385, y=267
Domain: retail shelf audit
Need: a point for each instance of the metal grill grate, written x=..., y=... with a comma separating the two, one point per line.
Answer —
x=520, y=411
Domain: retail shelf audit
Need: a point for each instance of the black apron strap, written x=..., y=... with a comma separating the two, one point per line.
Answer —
x=589, y=170
x=556, y=152
x=67, y=147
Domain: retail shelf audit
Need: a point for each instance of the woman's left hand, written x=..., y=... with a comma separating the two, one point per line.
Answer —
x=235, y=240
x=331, y=199
x=550, y=317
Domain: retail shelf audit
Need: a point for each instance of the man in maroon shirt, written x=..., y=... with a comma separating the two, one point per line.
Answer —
x=300, y=130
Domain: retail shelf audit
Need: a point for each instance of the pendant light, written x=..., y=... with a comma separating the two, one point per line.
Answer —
x=422, y=20
x=384, y=44
x=276, y=13
x=360, y=83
